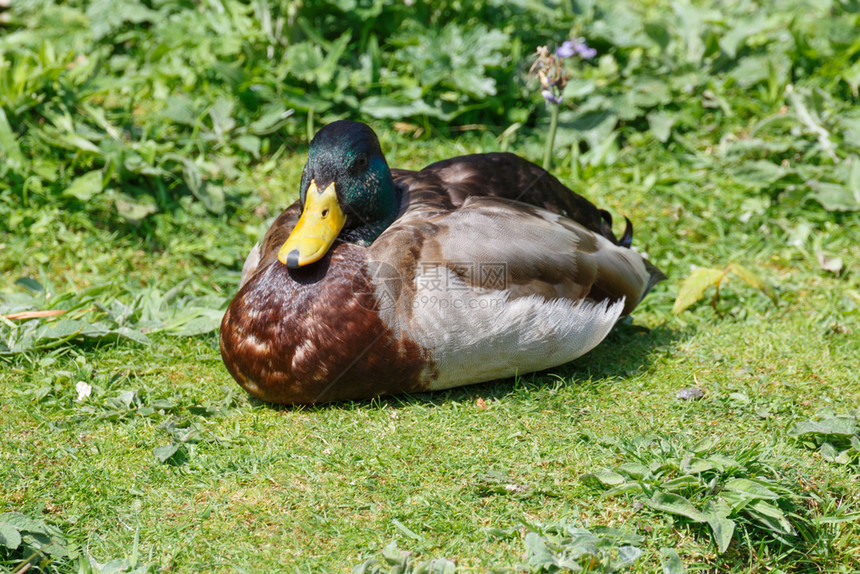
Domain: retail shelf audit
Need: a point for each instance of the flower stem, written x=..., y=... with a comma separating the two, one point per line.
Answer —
x=550, y=137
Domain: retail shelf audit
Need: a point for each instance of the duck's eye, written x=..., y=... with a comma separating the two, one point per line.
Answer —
x=361, y=162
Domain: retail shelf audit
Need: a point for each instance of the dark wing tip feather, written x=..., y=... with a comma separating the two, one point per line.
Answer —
x=654, y=276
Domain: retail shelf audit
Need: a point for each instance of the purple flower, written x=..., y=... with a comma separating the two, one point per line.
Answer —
x=550, y=97
x=566, y=50
x=583, y=50
x=577, y=46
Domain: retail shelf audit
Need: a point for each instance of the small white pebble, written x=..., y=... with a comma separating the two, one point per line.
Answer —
x=84, y=390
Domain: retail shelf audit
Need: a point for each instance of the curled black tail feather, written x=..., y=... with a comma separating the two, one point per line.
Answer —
x=627, y=239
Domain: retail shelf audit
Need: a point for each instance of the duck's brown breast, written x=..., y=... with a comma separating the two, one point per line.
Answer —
x=314, y=334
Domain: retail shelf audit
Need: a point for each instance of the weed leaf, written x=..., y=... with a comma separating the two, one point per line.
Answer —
x=680, y=483
x=722, y=527
x=602, y=478
x=10, y=537
x=406, y=530
x=675, y=504
x=751, y=489
x=634, y=470
x=30, y=284
x=86, y=186
x=839, y=426
x=771, y=516
x=671, y=562
x=165, y=452
x=694, y=286
x=752, y=279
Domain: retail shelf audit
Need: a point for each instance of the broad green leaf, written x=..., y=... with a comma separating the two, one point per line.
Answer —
x=626, y=488
x=197, y=326
x=133, y=209
x=212, y=197
x=221, y=114
x=723, y=462
x=395, y=556
x=675, y=504
x=163, y=404
x=126, y=398
x=24, y=523
x=693, y=288
x=76, y=141
x=537, y=550
x=732, y=40
x=165, y=452
x=602, y=478
x=181, y=110
x=747, y=276
x=681, y=483
x=750, y=488
x=658, y=33
x=831, y=454
x=250, y=144
x=86, y=186
x=771, y=69
x=648, y=92
x=192, y=176
x=770, y=516
x=842, y=426
x=752, y=279
x=389, y=108
x=661, y=124
x=807, y=106
x=329, y=68
x=132, y=335
x=30, y=284
x=671, y=562
x=736, y=501
x=835, y=196
x=627, y=556
x=9, y=536
x=273, y=118
x=696, y=465
x=633, y=470
x=108, y=16
x=60, y=329
x=722, y=527
x=759, y=174
x=436, y=566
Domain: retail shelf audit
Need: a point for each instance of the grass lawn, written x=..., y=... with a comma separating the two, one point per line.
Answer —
x=460, y=474
x=160, y=462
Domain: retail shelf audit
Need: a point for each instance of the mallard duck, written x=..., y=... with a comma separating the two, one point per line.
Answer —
x=382, y=280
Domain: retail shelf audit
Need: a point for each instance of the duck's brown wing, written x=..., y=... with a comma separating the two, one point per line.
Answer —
x=497, y=244
x=450, y=182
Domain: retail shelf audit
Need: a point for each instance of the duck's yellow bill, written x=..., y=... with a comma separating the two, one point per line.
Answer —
x=318, y=227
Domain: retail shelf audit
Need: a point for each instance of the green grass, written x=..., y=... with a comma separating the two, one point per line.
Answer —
x=324, y=488
x=721, y=148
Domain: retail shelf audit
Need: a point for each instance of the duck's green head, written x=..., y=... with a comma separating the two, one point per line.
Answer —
x=347, y=192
